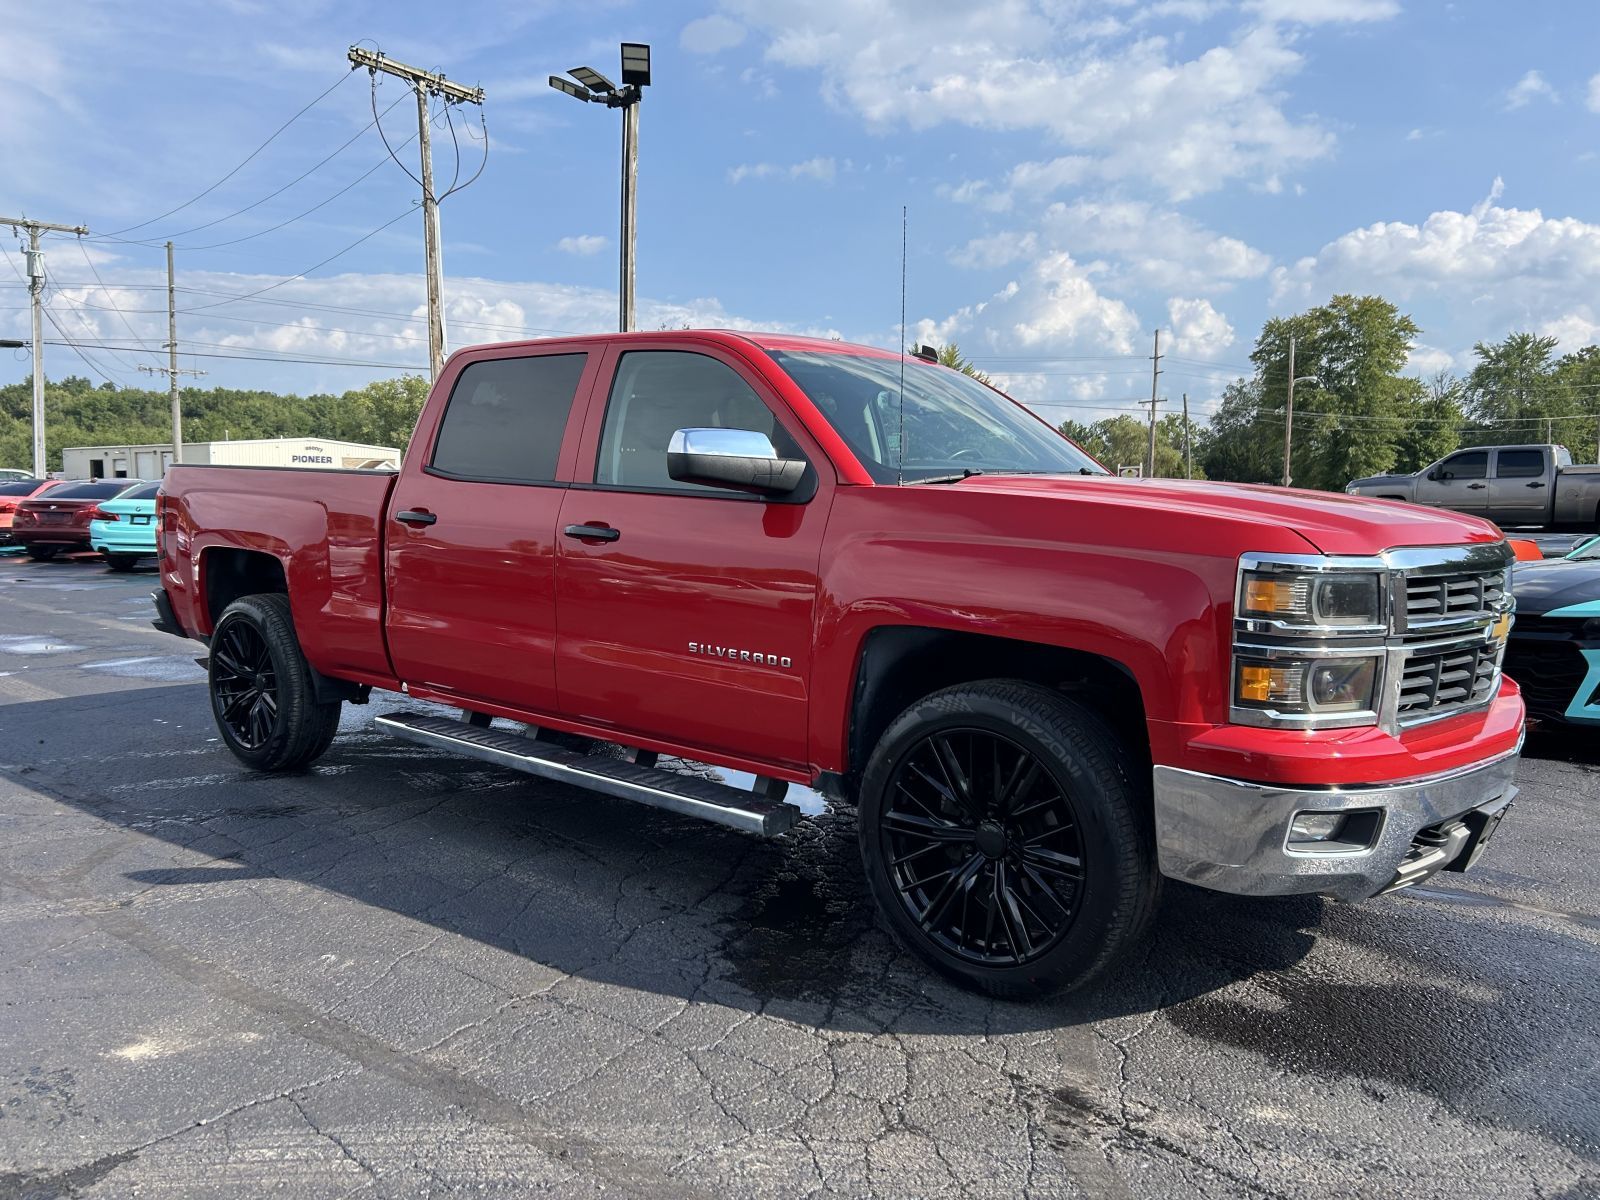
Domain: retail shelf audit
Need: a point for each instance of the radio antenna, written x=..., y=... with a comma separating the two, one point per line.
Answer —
x=900, y=470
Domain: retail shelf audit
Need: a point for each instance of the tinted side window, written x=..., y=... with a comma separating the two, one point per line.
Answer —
x=18, y=489
x=1474, y=465
x=1519, y=464
x=506, y=418
x=658, y=392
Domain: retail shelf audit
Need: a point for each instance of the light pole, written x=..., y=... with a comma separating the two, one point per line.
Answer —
x=594, y=86
x=1288, y=412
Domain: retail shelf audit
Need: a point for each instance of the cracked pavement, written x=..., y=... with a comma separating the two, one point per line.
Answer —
x=404, y=974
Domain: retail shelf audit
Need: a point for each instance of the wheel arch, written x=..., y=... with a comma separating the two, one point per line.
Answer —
x=898, y=664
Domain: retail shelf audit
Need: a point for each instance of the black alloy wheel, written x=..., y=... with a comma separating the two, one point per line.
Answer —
x=245, y=685
x=983, y=847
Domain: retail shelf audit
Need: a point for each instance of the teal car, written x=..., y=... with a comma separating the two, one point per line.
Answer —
x=123, y=530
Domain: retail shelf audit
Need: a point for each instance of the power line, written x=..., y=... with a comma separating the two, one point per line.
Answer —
x=248, y=158
x=418, y=368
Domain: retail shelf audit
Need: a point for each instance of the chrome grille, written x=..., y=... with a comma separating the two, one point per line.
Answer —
x=1435, y=683
x=1434, y=600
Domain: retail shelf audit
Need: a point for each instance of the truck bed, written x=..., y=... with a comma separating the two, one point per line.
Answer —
x=324, y=528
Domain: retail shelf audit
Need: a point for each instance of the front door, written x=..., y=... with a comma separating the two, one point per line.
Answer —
x=1459, y=482
x=471, y=563
x=687, y=616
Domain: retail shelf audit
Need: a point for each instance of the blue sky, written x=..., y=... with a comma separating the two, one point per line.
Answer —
x=1077, y=172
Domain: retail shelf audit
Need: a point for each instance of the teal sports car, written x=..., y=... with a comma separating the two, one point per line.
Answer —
x=1554, y=648
x=123, y=530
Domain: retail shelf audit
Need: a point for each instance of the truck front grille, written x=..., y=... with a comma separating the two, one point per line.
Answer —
x=1434, y=600
x=1436, y=683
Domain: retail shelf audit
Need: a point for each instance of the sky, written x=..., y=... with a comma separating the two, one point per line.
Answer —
x=1074, y=175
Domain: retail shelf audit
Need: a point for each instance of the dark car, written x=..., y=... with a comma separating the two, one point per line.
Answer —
x=58, y=519
x=1554, y=649
x=12, y=493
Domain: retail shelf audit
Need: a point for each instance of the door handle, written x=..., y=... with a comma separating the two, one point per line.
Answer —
x=1536, y=483
x=1476, y=487
x=592, y=533
x=416, y=516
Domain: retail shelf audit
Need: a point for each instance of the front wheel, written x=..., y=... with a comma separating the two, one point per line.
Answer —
x=1006, y=837
x=262, y=693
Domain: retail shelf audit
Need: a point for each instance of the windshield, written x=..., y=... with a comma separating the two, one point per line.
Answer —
x=953, y=425
x=1588, y=552
x=102, y=489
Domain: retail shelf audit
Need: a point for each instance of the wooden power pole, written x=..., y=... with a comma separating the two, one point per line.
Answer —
x=171, y=370
x=425, y=84
x=35, y=258
x=1155, y=375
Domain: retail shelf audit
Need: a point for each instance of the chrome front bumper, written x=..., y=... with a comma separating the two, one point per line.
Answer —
x=1232, y=836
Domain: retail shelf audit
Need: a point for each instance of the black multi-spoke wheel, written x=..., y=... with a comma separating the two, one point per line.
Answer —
x=1006, y=837
x=245, y=684
x=984, y=847
x=262, y=690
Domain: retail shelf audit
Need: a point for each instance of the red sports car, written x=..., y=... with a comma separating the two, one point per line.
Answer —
x=58, y=519
x=12, y=493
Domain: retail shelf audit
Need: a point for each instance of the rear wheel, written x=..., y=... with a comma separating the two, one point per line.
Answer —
x=262, y=693
x=43, y=553
x=121, y=562
x=1006, y=838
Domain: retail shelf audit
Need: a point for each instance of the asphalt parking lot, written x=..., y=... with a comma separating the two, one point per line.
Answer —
x=402, y=974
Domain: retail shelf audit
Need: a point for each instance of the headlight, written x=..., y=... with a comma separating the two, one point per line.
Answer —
x=1306, y=686
x=1331, y=600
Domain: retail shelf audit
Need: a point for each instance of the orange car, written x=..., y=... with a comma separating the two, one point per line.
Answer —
x=12, y=493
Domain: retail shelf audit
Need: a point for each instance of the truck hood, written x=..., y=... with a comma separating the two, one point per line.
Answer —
x=1381, y=480
x=1541, y=587
x=1332, y=522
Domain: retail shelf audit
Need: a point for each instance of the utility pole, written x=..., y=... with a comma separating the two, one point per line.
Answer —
x=35, y=258
x=1288, y=416
x=171, y=370
x=1155, y=375
x=630, y=182
x=1188, y=457
x=425, y=84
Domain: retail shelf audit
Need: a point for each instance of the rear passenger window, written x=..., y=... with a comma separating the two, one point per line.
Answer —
x=506, y=417
x=1519, y=464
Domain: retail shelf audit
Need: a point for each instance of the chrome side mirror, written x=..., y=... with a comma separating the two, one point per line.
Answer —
x=739, y=459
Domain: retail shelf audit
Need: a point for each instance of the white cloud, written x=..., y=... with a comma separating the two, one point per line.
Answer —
x=1429, y=360
x=1594, y=94
x=821, y=169
x=996, y=250
x=584, y=244
x=711, y=35
x=1198, y=330
x=1156, y=247
x=1503, y=268
x=1138, y=109
x=1316, y=12
x=1532, y=86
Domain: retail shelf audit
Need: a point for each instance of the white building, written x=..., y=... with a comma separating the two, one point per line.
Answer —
x=151, y=462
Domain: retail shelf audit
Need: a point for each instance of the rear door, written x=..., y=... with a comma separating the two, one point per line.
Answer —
x=1519, y=487
x=1460, y=482
x=688, y=616
x=470, y=564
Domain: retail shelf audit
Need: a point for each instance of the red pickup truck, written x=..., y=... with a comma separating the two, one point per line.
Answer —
x=1043, y=688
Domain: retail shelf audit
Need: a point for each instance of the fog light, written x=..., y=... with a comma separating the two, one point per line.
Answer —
x=1316, y=826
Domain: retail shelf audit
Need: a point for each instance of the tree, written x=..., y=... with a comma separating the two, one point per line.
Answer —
x=1242, y=442
x=1511, y=391
x=1348, y=423
x=1123, y=441
x=1433, y=425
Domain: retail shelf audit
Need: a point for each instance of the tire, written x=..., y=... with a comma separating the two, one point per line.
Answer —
x=262, y=694
x=120, y=562
x=43, y=553
x=1018, y=869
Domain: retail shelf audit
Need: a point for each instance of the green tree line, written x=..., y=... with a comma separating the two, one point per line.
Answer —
x=80, y=413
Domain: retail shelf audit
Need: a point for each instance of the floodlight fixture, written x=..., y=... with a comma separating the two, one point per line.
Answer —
x=576, y=91
x=592, y=79
x=635, y=64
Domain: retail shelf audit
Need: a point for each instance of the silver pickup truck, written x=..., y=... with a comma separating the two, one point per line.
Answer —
x=1509, y=485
